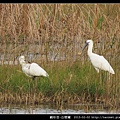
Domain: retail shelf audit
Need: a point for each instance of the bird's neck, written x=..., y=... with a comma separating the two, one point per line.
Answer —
x=90, y=49
x=23, y=63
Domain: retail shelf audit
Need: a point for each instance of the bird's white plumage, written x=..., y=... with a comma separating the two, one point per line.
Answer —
x=99, y=62
x=33, y=69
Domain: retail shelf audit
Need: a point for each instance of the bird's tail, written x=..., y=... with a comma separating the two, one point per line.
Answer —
x=111, y=70
x=47, y=74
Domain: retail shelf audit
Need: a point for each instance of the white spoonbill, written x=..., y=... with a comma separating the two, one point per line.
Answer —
x=99, y=62
x=32, y=70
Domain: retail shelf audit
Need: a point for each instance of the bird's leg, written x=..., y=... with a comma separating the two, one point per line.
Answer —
x=29, y=88
x=108, y=84
x=33, y=78
x=34, y=84
x=100, y=78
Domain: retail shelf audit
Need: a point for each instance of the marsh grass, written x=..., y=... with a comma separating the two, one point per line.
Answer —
x=68, y=83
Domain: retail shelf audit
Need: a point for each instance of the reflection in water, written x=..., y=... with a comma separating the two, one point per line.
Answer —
x=52, y=109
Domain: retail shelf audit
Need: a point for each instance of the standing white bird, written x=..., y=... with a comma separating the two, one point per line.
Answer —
x=99, y=62
x=32, y=70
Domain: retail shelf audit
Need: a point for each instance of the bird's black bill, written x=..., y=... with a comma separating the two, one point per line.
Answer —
x=86, y=44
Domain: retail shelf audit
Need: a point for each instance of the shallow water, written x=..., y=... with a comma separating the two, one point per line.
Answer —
x=52, y=109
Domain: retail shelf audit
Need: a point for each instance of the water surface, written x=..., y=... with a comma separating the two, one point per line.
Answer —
x=53, y=109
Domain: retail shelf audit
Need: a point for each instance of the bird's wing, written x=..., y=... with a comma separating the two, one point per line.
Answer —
x=26, y=69
x=101, y=63
x=107, y=66
x=36, y=70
